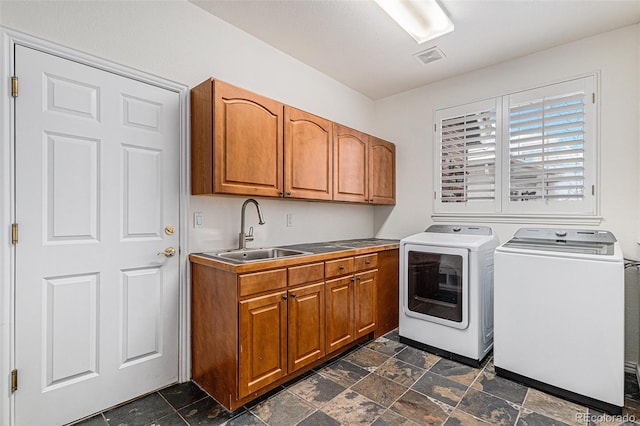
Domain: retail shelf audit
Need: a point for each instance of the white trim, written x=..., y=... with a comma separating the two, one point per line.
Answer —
x=520, y=219
x=10, y=38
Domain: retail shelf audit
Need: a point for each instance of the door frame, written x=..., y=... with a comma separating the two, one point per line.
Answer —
x=9, y=39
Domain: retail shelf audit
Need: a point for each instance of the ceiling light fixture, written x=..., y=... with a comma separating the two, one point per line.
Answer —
x=423, y=19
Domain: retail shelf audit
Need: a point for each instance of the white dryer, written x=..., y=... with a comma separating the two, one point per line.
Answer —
x=446, y=291
x=559, y=314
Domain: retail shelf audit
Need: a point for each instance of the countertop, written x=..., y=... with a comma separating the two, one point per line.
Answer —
x=317, y=252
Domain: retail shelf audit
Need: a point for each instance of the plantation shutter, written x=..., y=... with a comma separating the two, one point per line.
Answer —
x=467, y=148
x=524, y=154
x=550, y=149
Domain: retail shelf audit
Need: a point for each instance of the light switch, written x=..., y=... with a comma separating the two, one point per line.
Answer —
x=289, y=220
x=198, y=219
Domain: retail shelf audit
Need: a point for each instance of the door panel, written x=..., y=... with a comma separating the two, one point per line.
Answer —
x=365, y=303
x=97, y=180
x=306, y=310
x=339, y=313
x=350, y=164
x=263, y=341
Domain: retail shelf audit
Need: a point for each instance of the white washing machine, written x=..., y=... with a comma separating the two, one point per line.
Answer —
x=446, y=291
x=559, y=314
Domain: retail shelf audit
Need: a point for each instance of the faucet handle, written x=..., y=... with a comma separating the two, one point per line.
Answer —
x=249, y=236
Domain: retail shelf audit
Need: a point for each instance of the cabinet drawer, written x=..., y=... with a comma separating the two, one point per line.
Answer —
x=261, y=281
x=369, y=261
x=305, y=274
x=335, y=268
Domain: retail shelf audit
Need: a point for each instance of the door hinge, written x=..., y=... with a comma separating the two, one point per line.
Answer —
x=14, y=233
x=593, y=190
x=593, y=97
x=14, y=86
x=14, y=381
x=435, y=127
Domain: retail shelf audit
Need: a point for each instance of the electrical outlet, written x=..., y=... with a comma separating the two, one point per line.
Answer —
x=289, y=220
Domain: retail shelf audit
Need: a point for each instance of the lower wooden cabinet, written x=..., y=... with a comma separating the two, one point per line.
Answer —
x=351, y=300
x=339, y=313
x=263, y=341
x=306, y=325
x=365, y=303
x=254, y=331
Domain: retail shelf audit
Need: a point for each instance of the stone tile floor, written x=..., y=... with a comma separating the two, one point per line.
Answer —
x=383, y=382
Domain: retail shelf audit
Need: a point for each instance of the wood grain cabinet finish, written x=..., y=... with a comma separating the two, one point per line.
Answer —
x=382, y=172
x=263, y=341
x=237, y=141
x=306, y=325
x=252, y=332
x=350, y=164
x=308, y=150
x=340, y=318
x=388, y=290
x=351, y=299
x=246, y=144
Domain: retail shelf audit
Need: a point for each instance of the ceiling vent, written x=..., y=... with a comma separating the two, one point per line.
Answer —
x=430, y=55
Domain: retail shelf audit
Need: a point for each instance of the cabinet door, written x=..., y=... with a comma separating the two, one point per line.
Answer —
x=365, y=303
x=248, y=139
x=382, y=171
x=350, y=164
x=339, y=313
x=263, y=341
x=308, y=150
x=306, y=325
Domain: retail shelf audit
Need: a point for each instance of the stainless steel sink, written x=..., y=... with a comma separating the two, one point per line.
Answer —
x=255, y=255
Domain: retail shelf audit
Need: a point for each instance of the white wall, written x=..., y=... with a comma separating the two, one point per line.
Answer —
x=407, y=119
x=179, y=41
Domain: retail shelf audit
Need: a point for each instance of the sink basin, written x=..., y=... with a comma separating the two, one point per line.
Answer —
x=255, y=255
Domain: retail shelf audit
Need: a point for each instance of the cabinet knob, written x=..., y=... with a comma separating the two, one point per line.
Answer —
x=293, y=295
x=284, y=296
x=353, y=279
x=281, y=193
x=358, y=278
x=288, y=193
x=341, y=267
x=367, y=262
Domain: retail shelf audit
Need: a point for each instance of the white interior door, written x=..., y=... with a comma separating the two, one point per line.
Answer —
x=97, y=190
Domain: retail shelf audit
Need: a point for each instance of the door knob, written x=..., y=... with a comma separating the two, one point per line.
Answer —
x=168, y=252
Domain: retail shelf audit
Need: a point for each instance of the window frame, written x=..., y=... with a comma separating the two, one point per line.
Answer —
x=502, y=209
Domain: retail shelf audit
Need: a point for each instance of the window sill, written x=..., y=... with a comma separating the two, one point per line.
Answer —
x=520, y=219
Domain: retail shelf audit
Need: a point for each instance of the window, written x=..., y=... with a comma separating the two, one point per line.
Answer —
x=529, y=153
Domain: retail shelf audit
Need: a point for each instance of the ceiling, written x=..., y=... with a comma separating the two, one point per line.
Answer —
x=358, y=44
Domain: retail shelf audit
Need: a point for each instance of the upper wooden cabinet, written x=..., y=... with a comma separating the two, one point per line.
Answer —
x=350, y=164
x=246, y=144
x=236, y=145
x=308, y=150
x=382, y=171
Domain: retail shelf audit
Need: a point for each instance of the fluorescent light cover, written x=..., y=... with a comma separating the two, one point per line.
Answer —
x=422, y=19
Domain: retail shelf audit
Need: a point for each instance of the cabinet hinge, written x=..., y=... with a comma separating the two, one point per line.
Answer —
x=593, y=97
x=14, y=381
x=14, y=86
x=435, y=196
x=14, y=233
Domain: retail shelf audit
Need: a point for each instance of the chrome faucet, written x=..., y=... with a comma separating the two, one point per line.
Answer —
x=243, y=238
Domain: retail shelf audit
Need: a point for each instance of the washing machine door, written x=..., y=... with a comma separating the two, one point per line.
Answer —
x=435, y=284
